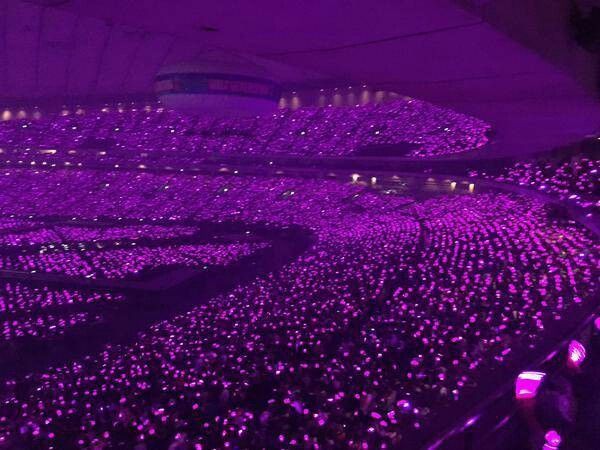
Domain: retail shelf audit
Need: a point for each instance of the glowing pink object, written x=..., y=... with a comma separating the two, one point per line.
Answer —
x=597, y=323
x=553, y=440
x=527, y=384
x=576, y=353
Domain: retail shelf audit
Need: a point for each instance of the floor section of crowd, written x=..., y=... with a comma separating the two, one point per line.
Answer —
x=386, y=322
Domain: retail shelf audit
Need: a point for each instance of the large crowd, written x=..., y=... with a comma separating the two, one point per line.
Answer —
x=32, y=248
x=37, y=312
x=125, y=262
x=574, y=179
x=26, y=232
x=391, y=315
x=311, y=131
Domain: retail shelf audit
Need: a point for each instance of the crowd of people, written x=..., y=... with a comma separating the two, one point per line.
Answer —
x=33, y=248
x=392, y=314
x=573, y=179
x=39, y=311
x=26, y=233
x=32, y=311
x=311, y=131
x=121, y=263
x=44, y=326
x=18, y=298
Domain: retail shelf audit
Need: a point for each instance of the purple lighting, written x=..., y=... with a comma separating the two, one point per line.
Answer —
x=471, y=421
x=555, y=178
x=528, y=384
x=311, y=131
x=368, y=249
x=576, y=353
x=356, y=235
x=553, y=440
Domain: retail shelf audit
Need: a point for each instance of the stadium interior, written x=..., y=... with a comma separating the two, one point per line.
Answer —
x=307, y=225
